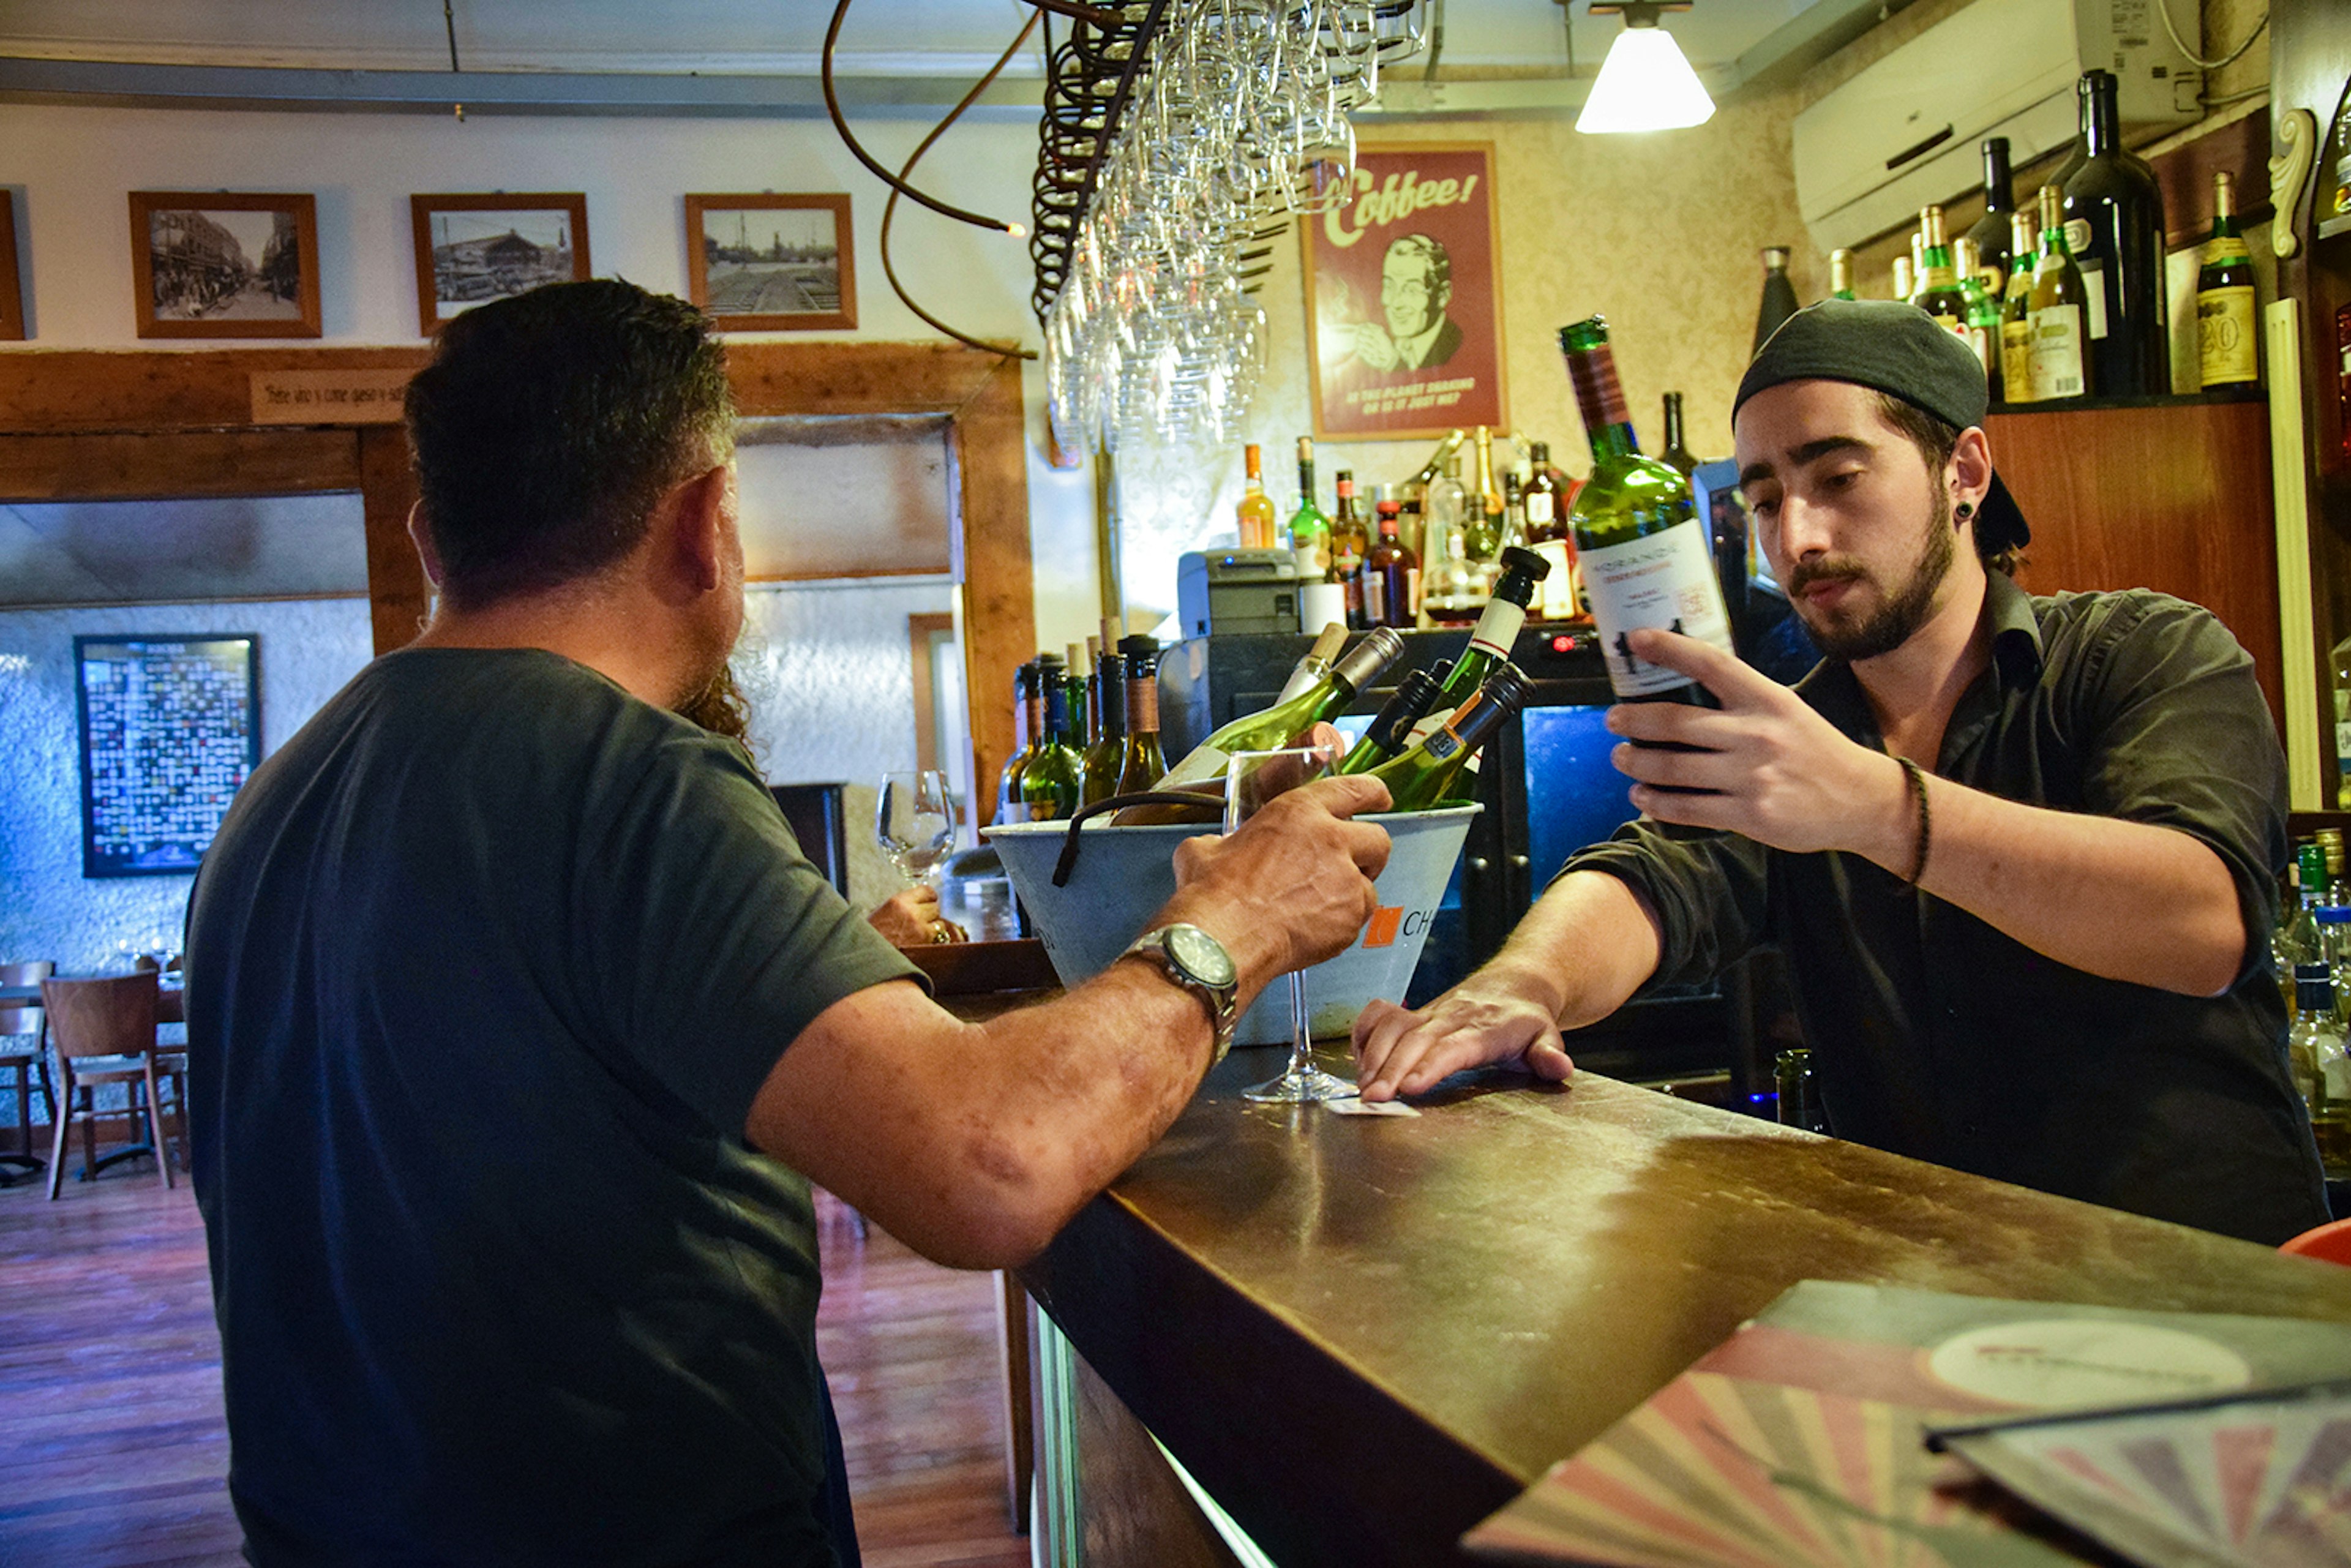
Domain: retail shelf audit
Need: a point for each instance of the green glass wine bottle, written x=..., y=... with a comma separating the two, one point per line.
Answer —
x=1272, y=728
x=1106, y=758
x=1142, y=763
x=1644, y=556
x=1028, y=726
x=1390, y=734
x=1422, y=778
x=1053, y=784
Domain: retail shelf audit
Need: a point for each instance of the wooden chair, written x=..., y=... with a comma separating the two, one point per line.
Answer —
x=104, y=1032
x=23, y=1054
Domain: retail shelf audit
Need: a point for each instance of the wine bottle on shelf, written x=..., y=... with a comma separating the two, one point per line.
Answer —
x=1421, y=777
x=1350, y=541
x=1316, y=662
x=2114, y=227
x=1540, y=497
x=1939, y=294
x=1905, y=280
x=1448, y=450
x=1106, y=758
x=1391, y=572
x=1841, y=274
x=1451, y=591
x=2016, y=312
x=1028, y=728
x=1644, y=556
x=1779, y=294
x=1254, y=513
x=1481, y=518
x=1079, y=680
x=1273, y=727
x=1052, y=783
x=1309, y=527
x=2226, y=352
x=1142, y=763
x=1391, y=730
x=1984, y=312
x=1993, y=233
x=1677, y=453
x=2059, y=309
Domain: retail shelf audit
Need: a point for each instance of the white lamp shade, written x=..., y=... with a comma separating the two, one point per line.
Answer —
x=1644, y=84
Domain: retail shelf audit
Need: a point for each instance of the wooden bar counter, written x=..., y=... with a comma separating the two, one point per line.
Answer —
x=1360, y=1335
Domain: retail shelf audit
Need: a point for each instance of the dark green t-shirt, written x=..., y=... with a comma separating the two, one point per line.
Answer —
x=1937, y=1036
x=485, y=969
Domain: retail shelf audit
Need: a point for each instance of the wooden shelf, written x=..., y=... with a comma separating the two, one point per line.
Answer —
x=2215, y=398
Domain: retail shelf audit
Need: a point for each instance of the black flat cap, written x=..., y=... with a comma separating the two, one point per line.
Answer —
x=1894, y=348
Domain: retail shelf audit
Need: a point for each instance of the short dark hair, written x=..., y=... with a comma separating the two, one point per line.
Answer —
x=547, y=426
x=1430, y=249
x=1935, y=440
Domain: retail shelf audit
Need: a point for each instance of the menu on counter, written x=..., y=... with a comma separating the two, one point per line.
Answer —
x=1802, y=1439
x=169, y=730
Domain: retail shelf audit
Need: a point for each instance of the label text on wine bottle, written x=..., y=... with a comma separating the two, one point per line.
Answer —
x=2056, y=353
x=1497, y=627
x=1664, y=579
x=2093, y=285
x=2225, y=336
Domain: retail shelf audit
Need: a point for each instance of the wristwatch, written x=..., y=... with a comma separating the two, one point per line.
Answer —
x=1198, y=962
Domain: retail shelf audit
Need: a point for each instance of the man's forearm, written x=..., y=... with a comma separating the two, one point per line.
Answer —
x=1586, y=944
x=2126, y=901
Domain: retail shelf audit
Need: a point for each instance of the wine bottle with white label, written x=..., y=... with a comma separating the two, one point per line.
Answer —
x=1423, y=776
x=2114, y=229
x=2059, y=358
x=1270, y=730
x=2227, y=340
x=1643, y=553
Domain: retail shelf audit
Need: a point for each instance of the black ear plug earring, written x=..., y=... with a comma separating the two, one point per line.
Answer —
x=1966, y=510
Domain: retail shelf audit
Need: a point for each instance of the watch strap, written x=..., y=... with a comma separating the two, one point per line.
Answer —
x=1221, y=1000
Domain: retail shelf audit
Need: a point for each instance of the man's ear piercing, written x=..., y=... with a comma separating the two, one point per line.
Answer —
x=1966, y=510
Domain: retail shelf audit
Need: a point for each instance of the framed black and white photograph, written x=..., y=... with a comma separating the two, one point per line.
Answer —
x=471, y=250
x=225, y=264
x=772, y=264
x=171, y=728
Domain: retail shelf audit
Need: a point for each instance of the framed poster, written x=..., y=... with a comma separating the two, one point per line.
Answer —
x=213, y=264
x=771, y=264
x=471, y=250
x=1404, y=299
x=12, y=283
x=171, y=727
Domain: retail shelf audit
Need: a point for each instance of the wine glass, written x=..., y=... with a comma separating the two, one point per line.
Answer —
x=1252, y=778
x=913, y=822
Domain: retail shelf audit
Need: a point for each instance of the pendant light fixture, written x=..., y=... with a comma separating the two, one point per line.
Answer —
x=1645, y=84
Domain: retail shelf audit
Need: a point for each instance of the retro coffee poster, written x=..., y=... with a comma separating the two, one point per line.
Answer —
x=1404, y=308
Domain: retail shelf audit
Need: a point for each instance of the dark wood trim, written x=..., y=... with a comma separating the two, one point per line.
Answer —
x=2184, y=174
x=82, y=390
x=398, y=594
x=920, y=630
x=120, y=467
x=856, y=378
x=989, y=448
x=11, y=286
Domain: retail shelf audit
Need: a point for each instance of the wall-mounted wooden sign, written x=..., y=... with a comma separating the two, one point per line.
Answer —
x=329, y=397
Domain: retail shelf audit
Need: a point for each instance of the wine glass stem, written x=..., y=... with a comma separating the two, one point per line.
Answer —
x=1301, y=1042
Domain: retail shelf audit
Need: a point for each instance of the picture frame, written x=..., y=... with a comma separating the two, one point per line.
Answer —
x=225, y=264
x=169, y=730
x=1404, y=298
x=474, y=249
x=12, y=282
x=800, y=278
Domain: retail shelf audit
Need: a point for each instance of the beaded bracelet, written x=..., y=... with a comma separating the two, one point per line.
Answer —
x=1918, y=778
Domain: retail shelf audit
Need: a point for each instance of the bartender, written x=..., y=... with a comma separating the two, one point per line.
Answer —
x=2021, y=853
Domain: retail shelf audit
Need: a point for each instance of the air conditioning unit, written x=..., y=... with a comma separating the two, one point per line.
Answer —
x=1907, y=130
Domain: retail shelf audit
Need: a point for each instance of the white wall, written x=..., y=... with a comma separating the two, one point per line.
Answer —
x=75, y=166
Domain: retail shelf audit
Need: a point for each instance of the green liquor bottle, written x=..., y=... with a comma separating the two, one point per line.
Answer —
x=1106, y=758
x=2059, y=309
x=1310, y=526
x=2016, y=314
x=2227, y=352
x=1645, y=557
x=1272, y=728
x=1028, y=726
x=1983, y=311
x=1841, y=274
x=1142, y=763
x=1053, y=782
x=1939, y=294
x=1422, y=778
x=1390, y=734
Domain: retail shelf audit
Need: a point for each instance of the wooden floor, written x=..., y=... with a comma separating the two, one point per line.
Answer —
x=112, y=1450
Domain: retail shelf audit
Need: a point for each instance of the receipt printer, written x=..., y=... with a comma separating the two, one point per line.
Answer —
x=1218, y=592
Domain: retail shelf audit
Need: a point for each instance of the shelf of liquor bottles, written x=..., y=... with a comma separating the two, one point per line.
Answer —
x=2216, y=397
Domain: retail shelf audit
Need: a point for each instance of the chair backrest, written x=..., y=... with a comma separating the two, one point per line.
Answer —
x=102, y=1018
x=818, y=820
x=23, y=1018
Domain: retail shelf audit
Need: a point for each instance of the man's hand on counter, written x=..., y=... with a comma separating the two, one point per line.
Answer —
x=1483, y=1021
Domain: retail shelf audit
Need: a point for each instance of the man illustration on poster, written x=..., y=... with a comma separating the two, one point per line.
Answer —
x=1416, y=287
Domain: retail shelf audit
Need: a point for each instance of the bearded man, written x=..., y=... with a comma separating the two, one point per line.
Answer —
x=2020, y=852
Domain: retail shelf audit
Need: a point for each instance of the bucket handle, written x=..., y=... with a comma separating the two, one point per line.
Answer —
x=1069, y=858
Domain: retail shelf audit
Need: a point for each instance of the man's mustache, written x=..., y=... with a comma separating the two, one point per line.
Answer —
x=1828, y=569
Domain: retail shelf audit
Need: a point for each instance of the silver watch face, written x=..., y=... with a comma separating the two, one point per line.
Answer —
x=1201, y=953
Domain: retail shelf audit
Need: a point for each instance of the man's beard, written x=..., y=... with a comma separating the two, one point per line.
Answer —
x=720, y=708
x=1898, y=616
